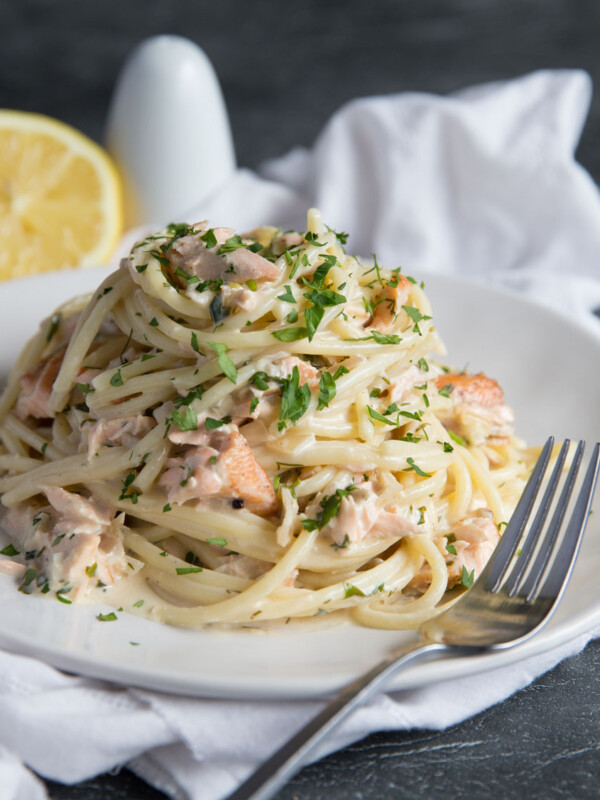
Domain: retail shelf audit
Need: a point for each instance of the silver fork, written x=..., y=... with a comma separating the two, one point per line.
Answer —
x=511, y=599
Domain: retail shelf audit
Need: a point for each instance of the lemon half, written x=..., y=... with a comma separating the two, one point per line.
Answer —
x=60, y=197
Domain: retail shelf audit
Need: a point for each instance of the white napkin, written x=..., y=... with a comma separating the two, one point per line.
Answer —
x=482, y=183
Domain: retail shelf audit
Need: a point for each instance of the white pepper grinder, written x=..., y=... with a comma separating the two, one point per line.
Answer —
x=168, y=130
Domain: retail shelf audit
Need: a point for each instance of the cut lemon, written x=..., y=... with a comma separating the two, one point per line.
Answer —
x=60, y=197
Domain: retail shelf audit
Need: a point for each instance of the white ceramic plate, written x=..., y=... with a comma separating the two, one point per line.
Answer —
x=548, y=368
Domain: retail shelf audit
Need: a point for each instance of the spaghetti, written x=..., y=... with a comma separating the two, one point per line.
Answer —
x=256, y=428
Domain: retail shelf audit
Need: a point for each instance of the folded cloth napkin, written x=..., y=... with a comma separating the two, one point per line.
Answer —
x=482, y=183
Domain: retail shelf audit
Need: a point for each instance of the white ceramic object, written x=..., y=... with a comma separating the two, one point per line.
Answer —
x=168, y=130
x=543, y=362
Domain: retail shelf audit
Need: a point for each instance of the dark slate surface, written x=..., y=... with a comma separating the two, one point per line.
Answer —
x=285, y=67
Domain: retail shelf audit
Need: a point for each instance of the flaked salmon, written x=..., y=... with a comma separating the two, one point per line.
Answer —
x=191, y=254
x=219, y=463
x=36, y=387
x=126, y=431
x=478, y=413
x=474, y=539
x=393, y=296
x=72, y=543
x=473, y=389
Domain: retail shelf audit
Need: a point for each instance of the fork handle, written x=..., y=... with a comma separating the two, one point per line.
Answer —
x=285, y=762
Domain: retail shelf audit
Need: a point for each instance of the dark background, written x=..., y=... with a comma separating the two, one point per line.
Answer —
x=285, y=67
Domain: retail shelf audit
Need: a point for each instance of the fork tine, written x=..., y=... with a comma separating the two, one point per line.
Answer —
x=564, y=559
x=528, y=546
x=495, y=570
x=553, y=530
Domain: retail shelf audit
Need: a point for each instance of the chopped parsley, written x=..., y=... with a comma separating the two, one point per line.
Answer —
x=350, y=590
x=188, y=570
x=385, y=338
x=259, y=379
x=125, y=495
x=209, y=238
x=290, y=334
x=217, y=540
x=341, y=370
x=110, y=617
x=185, y=400
x=327, y=390
x=287, y=296
x=9, y=550
x=212, y=423
x=30, y=575
x=117, y=379
x=414, y=313
x=185, y=420
x=194, y=343
x=417, y=469
x=227, y=366
x=467, y=579
x=331, y=506
x=312, y=317
x=379, y=417
x=456, y=438
x=342, y=236
x=295, y=399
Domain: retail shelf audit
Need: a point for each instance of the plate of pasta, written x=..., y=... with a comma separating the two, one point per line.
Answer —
x=265, y=461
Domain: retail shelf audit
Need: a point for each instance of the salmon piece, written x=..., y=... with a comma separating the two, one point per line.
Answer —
x=192, y=476
x=283, y=368
x=77, y=513
x=411, y=377
x=222, y=234
x=477, y=389
x=36, y=387
x=390, y=302
x=478, y=413
x=476, y=537
x=360, y=516
x=190, y=254
x=77, y=541
x=126, y=431
x=220, y=464
x=199, y=437
x=243, y=476
x=248, y=265
x=239, y=297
